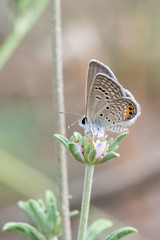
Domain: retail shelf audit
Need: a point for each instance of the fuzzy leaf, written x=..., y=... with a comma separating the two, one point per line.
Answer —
x=53, y=216
x=40, y=216
x=62, y=139
x=26, y=208
x=74, y=151
x=97, y=227
x=114, y=144
x=121, y=232
x=107, y=157
x=24, y=229
x=92, y=156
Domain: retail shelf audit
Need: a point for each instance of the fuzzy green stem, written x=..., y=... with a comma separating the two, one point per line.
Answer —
x=59, y=120
x=85, y=202
x=22, y=24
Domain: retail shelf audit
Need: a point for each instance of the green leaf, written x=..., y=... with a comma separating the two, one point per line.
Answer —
x=121, y=232
x=24, y=229
x=92, y=156
x=40, y=216
x=36, y=213
x=26, y=208
x=53, y=216
x=97, y=227
x=114, y=144
x=74, y=151
x=108, y=156
x=62, y=139
x=41, y=203
x=74, y=213
x=52, y=213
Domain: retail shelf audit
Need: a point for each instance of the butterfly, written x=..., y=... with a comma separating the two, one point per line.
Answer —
x=109, y=106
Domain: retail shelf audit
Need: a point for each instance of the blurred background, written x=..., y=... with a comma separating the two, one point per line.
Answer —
x=125, y=36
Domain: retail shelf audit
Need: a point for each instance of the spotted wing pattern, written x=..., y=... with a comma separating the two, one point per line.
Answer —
x=103, y=90
x=109, y=105
x=94, y=68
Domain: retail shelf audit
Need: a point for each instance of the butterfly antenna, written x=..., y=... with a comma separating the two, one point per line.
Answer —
x=72, y=113
x=71, y=125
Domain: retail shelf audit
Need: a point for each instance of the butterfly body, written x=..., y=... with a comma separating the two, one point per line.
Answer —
x=109, y=106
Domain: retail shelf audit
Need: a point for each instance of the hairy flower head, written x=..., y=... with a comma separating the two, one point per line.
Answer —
x=91, y=149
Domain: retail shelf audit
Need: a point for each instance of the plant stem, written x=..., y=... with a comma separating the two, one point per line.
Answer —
x=85, y=201
x=22, y=24
x=59, y=119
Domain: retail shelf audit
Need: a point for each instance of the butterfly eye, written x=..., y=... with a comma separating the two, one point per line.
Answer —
x=84, y=120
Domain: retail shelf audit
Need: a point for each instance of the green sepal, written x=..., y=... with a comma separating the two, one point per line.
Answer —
x=82, y=141
x=74, y=213
x=121, y=232
x=110, y=141
x=114, y=144
x=71, y=139
x=74, y=151
x=62, y=139
x=92, y=156
x=97, y=227
x=87, y=150
x=107, y=157
x=24, y=229
x=77, y=136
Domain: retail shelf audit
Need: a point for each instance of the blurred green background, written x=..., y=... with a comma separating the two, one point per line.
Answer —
x=125, y=36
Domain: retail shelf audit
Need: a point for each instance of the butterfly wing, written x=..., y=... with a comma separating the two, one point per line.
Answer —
x=110, y=105
x=120, y=113
x=102, y=91
x=95, y=67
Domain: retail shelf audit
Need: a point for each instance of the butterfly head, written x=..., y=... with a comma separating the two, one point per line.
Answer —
x=83, y=121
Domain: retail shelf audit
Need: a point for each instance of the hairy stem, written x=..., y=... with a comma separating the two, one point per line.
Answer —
x=85, y=202
x=59, y=119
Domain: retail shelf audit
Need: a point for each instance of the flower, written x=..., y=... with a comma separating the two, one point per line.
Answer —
x=101, y=148
x=91, y=149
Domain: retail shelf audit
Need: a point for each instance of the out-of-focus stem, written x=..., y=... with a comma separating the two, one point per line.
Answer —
x=59, y=120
